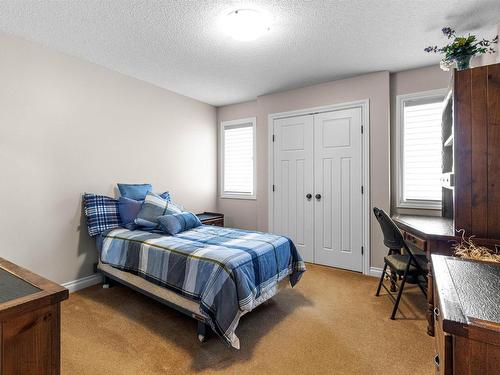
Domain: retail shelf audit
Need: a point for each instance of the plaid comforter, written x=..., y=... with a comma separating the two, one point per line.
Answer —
x=228, y=271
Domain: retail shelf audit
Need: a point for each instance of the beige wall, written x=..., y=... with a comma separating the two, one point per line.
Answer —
x=374, y=87
x=407, y=82
x=66, y=127
x=239, y=213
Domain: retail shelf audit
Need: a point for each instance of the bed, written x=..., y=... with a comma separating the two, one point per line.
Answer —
x=212, y=274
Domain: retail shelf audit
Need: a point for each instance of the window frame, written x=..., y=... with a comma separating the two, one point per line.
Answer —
x=400, y=101
x=223, y=125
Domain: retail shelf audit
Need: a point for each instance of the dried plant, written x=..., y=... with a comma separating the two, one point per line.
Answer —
x=467, y=249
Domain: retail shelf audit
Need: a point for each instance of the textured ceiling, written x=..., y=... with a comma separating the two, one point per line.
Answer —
x=178, y=44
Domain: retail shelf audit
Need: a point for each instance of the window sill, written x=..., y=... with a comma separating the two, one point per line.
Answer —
x=236, y=196
x=420, y=205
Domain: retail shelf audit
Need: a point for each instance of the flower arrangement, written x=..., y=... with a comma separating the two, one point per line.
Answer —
x=462, y=49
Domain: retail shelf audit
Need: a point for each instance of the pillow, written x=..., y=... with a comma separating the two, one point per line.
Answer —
x=166, y=196
x=101, y=213
x=174, y=208
x=176, y=223
x=134, y=191
x=128, y=210
x=153, y=206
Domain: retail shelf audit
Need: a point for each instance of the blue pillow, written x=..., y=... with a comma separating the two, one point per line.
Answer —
x=153, y=206
x=174, y=208
x=101, y=213
x=176, y=223
x=130, y=208
x=134, y=191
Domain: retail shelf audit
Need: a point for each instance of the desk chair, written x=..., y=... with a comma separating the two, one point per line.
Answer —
x=405, y=262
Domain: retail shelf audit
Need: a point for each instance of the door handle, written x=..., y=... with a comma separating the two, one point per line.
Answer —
x=309, y=196
x=318, y=196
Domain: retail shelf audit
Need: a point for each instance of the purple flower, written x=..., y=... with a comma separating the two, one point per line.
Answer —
x=448, y=31
x=431, y=49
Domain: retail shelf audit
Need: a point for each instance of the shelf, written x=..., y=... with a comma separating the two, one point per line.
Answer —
x=449, y=141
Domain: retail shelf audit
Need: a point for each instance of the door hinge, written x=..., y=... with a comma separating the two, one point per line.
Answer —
x=362, y=129
x=362, y=250
x=273, y=187
x=273, y=138
x=362, y=190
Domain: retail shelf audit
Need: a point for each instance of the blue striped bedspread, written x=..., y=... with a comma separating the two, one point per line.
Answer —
x=228, y=271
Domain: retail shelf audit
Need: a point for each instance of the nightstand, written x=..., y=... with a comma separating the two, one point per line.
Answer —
x=211, y=218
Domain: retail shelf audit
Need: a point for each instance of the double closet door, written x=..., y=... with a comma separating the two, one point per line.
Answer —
x=318, y=186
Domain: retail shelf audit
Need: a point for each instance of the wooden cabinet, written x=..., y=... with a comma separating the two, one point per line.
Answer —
x=476, y=128
x=211, y=218
x=29, y=322
x=471, y=167
x=467, y=316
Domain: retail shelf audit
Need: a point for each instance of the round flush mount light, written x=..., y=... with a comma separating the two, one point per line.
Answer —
x=245, y=24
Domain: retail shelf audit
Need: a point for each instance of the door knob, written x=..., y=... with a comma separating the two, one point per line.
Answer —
x=309, y=196
x=318, y=196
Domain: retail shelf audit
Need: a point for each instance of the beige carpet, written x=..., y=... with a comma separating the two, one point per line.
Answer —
x=330, y=323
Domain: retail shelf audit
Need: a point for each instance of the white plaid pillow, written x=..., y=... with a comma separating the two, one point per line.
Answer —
x=153, y=206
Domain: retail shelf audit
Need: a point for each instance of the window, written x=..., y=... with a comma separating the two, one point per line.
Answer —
x=419, y=149
x=238, y=158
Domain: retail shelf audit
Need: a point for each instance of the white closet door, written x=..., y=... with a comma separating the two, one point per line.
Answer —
x=337, y=171
x=293, y=180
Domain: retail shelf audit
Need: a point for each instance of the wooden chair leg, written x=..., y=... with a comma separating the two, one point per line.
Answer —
x=394, y=280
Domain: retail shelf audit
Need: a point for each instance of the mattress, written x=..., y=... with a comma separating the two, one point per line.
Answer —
x=225, y=271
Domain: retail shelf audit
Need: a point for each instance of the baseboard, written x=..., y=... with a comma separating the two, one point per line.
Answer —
x=375, y=271
x=82, y=283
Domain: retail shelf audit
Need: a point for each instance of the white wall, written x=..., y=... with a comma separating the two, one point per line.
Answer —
x=68, y=127
x=374, y=87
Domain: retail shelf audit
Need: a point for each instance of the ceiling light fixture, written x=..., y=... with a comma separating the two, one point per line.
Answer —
x=245, y=24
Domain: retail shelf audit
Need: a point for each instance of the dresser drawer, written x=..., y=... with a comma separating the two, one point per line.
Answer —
x=415, y=240
x=211, y=218
x=216, y=222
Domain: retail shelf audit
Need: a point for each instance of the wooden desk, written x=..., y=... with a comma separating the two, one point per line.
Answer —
x=434, y=235
x=467, y=316
x=29, y=322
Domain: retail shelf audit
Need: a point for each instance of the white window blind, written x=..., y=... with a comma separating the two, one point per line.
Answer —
x=422, y=147
x=238, y=139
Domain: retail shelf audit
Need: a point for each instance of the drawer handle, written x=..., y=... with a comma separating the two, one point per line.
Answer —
x=436, y=312
x=436, y=360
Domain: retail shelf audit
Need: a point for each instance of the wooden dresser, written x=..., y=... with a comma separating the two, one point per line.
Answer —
x=467, y=316
x=29, y=322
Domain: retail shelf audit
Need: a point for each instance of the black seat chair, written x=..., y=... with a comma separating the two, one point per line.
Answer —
x=405, y=261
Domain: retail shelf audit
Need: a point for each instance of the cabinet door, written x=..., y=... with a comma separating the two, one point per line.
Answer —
x=28, y=343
